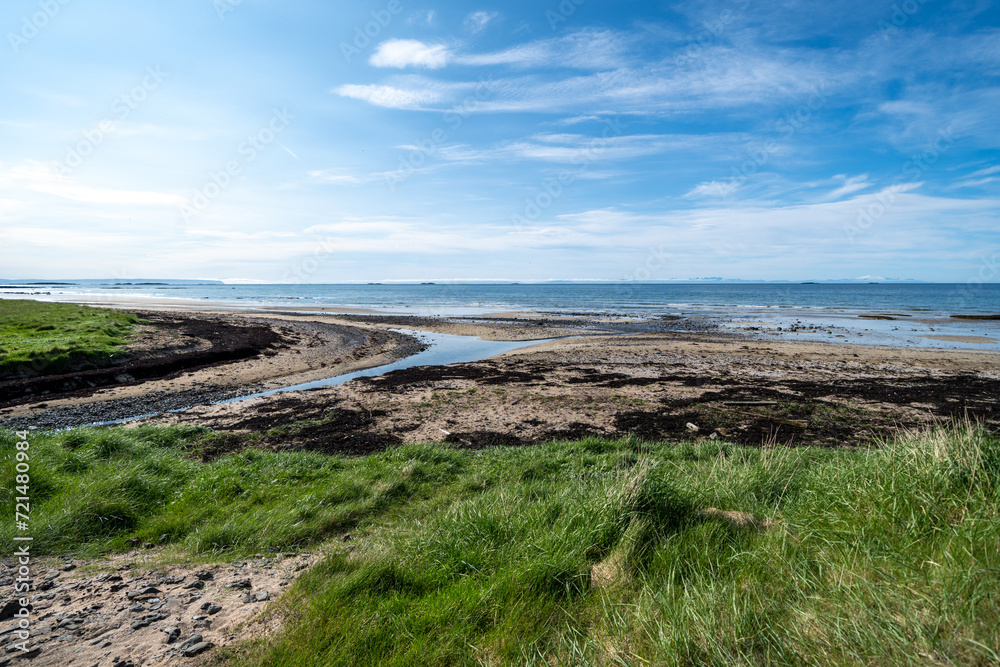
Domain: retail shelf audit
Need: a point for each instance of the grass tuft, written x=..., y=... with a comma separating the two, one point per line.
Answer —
x=38, y=338
x=595, y=552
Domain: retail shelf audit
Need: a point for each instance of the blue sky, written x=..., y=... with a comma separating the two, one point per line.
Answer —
x=405, y=140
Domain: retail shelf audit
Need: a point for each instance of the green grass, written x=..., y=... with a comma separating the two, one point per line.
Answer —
x=882, y=556
x=39, y=338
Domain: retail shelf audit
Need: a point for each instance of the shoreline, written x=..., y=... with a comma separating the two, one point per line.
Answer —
x=872, y=325
x=604, y=376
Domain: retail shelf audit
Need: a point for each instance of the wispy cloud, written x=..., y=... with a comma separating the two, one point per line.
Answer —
x=390, y=97
x=713, y=189
x=333, y=177
x=986, y=172
x=402, y=53
x=851, y=184
x=578, y=148
x=588, y=49
x=476, y=21
x=37, y=177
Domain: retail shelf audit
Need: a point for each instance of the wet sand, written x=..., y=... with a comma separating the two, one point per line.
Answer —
x=609, y=377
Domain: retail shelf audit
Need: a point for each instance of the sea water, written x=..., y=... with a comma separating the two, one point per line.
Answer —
x=921, y=312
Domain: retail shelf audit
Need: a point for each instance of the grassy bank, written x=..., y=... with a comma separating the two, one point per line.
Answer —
x=591, y=552
x=38, y=338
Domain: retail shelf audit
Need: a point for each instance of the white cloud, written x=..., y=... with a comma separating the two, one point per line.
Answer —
x=725, y=80
x=333, y=176
x=975, y=183
x=581, y=149
x=38, y=177
x=425, y=17
x=587, y=49
x=985, y=172
x=231, y=235
x=476, y=21
x=852, y=184
x=390, y=97
x=402, y=53
x=717, y=189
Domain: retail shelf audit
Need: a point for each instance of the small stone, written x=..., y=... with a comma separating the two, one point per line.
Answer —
x=67, y=567
x=190, y=641
x=240, y=583
x=139, y=624
x=195, y=649
x=10, y=609
x=137, y=608
x=173, y=634
x=196, y=585
x=204, y=575
x=142, y=592
x=691, y=427
x=261, y=596
x=211, y=608
x=31, y=654
x=51, y=574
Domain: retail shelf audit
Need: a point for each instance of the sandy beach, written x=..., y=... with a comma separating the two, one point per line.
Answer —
x=668, y=378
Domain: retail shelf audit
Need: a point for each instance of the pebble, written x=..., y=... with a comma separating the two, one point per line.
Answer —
x=195, y=649
x=148, y=590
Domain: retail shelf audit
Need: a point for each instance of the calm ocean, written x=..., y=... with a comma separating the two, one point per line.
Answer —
x=626, y=298
x=922, y=310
